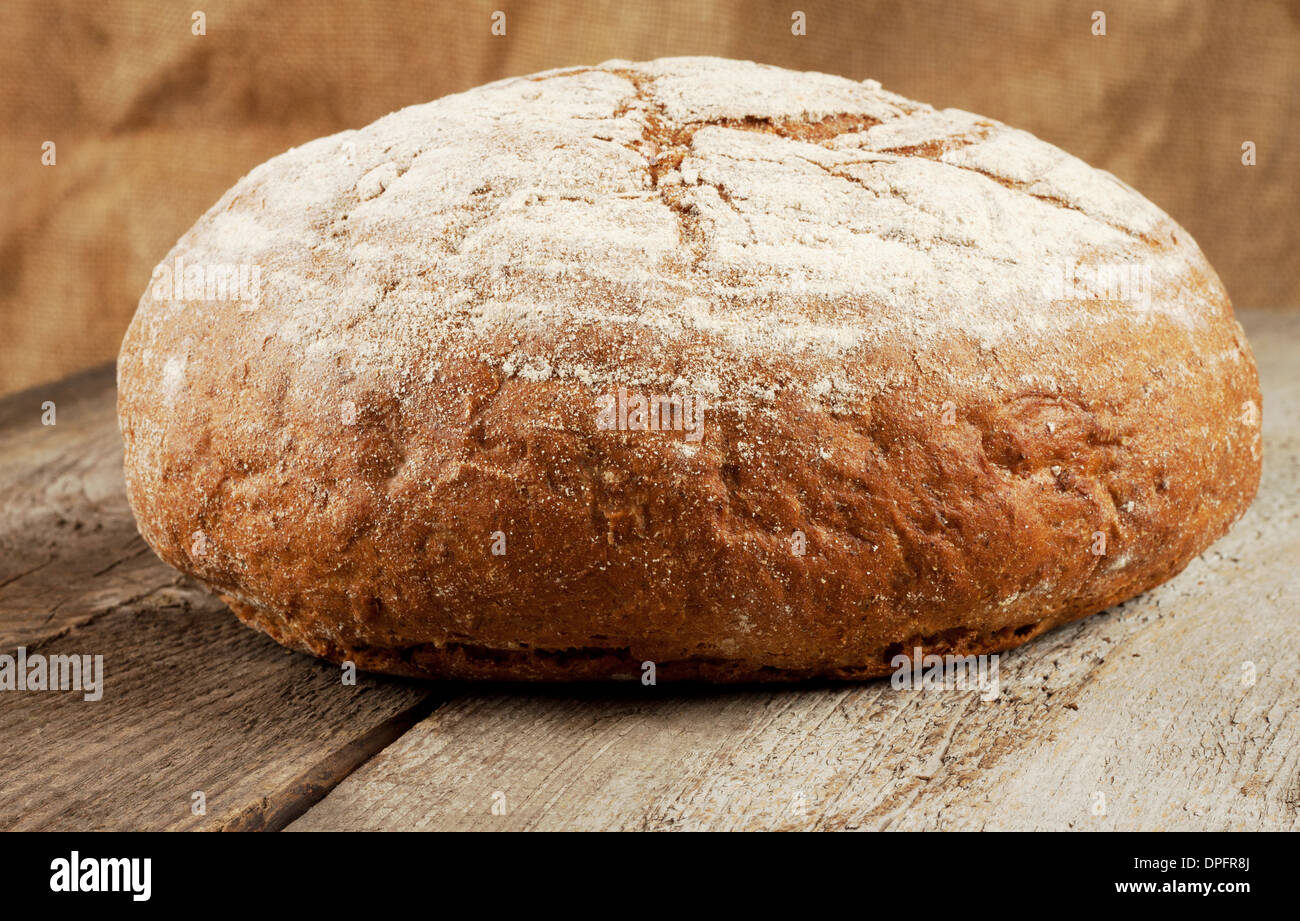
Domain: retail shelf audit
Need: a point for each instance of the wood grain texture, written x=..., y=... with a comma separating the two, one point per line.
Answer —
x=1146, y=705
x=65, y=520
x=192, y=699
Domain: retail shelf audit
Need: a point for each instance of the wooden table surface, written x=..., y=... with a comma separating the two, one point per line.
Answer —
x=1142, y=717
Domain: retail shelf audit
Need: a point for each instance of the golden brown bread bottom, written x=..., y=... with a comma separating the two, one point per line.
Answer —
x=461, y=661
x=966, y=538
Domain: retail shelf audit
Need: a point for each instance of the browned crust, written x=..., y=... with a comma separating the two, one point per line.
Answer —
x=371, y=542
x=615, y=558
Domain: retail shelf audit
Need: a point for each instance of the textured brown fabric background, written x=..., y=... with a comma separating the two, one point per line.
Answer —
x=153, y=123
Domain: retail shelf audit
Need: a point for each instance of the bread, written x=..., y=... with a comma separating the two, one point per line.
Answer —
x=942, y=385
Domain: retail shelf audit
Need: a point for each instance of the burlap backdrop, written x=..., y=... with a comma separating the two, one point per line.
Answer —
x=152, y=123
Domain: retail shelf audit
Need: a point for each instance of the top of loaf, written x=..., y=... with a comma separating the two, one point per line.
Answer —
x=692, y=222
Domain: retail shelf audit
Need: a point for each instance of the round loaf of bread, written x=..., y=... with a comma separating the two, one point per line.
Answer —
x=748, y=373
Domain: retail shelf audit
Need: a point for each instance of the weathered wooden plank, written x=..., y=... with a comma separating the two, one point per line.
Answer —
x=1145, y=705
x=192, y=699
x=64, y=520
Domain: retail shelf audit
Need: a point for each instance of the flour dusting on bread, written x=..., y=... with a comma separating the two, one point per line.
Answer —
x=674, y=202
